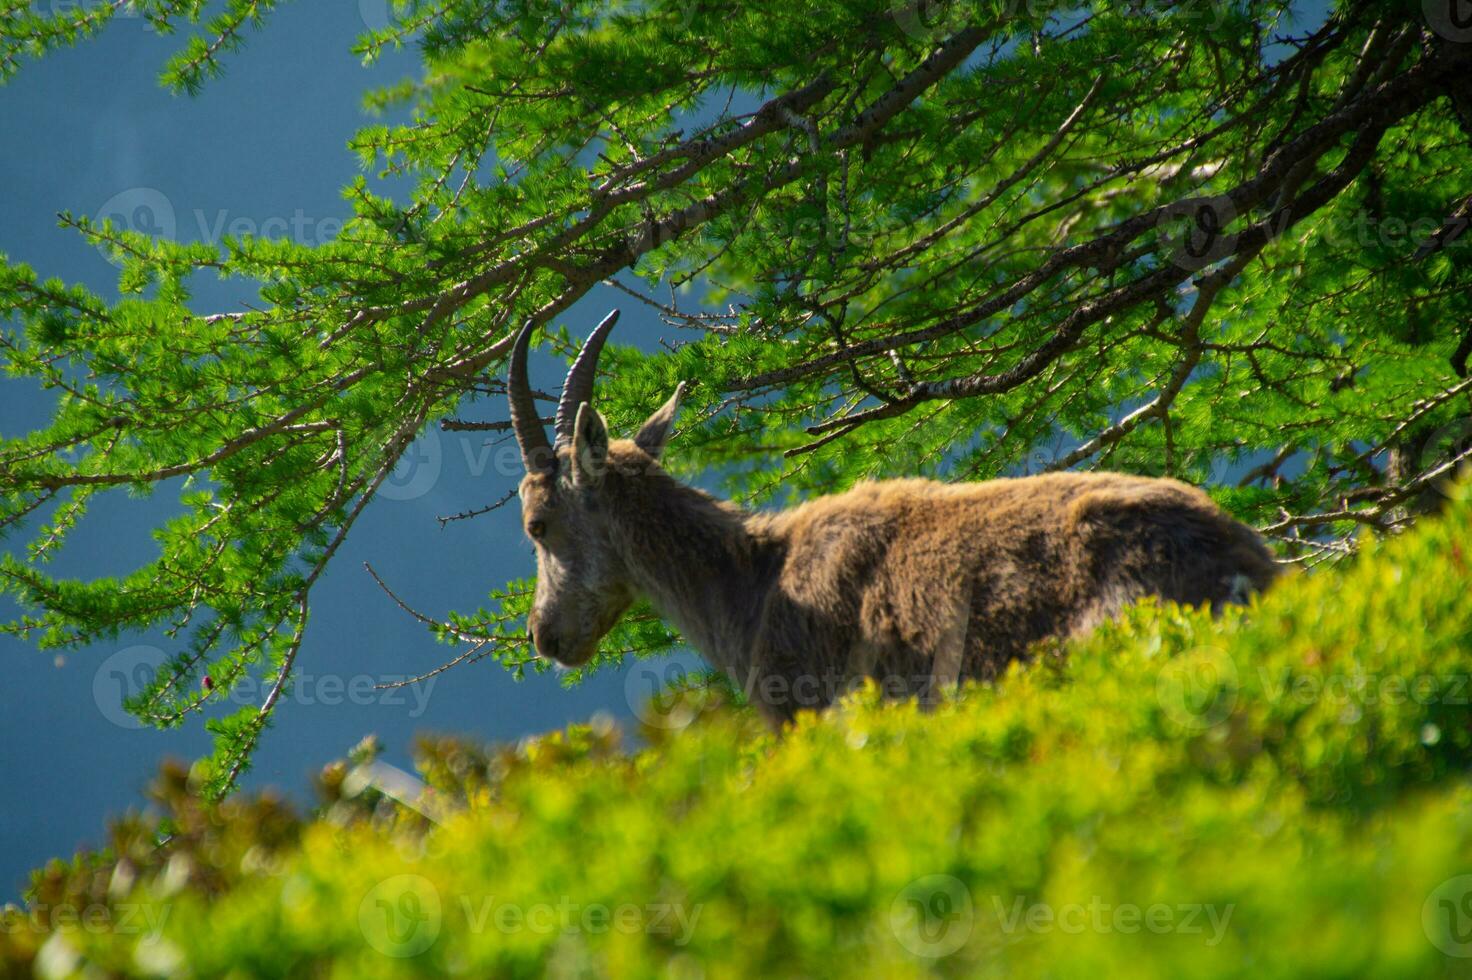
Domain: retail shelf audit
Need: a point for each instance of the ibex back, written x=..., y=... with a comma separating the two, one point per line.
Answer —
x=912, y=582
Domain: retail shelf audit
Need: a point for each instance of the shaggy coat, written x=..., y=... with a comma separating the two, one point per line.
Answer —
x=914, y=583
x=911, y=582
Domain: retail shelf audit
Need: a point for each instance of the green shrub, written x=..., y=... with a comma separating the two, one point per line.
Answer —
x=1281, y=791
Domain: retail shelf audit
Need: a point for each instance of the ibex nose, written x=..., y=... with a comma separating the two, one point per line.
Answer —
x=545, y=642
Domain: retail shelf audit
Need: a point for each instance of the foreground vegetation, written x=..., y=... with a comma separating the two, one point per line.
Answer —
x=1281, y=792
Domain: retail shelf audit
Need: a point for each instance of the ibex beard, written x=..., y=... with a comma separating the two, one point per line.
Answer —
x=914, y=583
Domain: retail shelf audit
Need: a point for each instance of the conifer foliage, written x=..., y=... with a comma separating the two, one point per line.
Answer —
x=1217, y=240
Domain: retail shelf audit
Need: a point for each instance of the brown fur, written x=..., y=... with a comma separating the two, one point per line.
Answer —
x=911, y=582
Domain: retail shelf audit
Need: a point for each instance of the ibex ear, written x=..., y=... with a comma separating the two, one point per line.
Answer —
x=589, y=447
x=655, y=431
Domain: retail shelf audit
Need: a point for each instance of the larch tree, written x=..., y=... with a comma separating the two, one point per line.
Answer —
x=1217, y=240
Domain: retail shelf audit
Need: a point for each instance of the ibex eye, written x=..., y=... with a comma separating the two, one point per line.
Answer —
x=536, y=529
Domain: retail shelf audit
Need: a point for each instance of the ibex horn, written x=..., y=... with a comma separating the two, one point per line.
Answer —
x=536, y=453
x=578, y=387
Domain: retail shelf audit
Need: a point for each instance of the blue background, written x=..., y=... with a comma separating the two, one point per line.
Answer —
x=89, y=130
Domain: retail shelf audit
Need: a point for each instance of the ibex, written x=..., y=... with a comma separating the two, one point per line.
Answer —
x=912, y=582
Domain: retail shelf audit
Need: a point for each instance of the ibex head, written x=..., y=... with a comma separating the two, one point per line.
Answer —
x=582, y=585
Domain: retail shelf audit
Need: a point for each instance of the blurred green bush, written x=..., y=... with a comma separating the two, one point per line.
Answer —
x=1280, y=792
